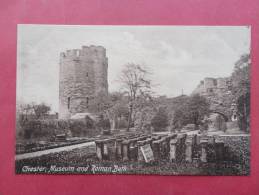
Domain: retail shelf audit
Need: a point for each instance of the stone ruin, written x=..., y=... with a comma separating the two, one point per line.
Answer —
x=82, y=78
x=222, y=102
x=213, y=85
x=174, y=148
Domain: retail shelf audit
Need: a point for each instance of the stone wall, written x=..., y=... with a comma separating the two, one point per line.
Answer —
x=83, y=76
x=218, y=93
x=212, y=85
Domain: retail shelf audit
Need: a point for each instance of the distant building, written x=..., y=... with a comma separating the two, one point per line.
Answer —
x=82, y=77
x=209, y=86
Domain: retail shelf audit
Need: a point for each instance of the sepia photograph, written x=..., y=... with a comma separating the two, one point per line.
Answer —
x=152, y=100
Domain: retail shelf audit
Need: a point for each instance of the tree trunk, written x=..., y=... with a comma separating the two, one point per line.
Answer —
x=113, y=124
x=129, y=119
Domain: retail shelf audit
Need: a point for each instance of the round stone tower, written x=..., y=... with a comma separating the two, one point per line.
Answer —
x=82, y=77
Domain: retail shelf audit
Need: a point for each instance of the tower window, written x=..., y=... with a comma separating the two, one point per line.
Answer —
x=68, y=102
x=215, y=82
x=87, y=74
x=209, y=90
x=87, y=101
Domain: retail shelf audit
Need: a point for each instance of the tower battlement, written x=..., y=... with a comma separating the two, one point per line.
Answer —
x=90, y=51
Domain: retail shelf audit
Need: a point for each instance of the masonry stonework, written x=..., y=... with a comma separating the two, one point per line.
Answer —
x=213, y=85
x=218, y=93
x=82, y=78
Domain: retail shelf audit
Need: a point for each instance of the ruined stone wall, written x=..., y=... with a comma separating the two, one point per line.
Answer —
x=218, y=93
x=83, y=76
x=212, y=85
x=222, y=83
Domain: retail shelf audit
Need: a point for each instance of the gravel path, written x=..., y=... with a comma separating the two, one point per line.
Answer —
x=54, y=150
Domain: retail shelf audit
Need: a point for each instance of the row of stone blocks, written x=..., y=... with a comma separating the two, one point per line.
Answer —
x=124, y=148
x=204, y=148
x=175, y=148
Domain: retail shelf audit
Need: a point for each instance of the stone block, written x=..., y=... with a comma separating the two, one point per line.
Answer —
x=99, y=149
x=133, y=153
x=140, y=155
x=173, y=152
x=219, y=149
x=119, y=148
x=109, y=149
x=204, y=150
x=189, y=145
x=157, y=150
x=125, y=150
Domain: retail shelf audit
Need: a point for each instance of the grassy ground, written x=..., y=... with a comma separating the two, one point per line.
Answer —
x=84, y=161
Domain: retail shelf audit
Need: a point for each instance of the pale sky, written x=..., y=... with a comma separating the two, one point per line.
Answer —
x=178, y=56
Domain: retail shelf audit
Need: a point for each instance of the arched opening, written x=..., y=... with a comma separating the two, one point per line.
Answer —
x=223, y=115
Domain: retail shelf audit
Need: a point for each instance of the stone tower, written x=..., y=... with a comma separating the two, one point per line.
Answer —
x=82, y=77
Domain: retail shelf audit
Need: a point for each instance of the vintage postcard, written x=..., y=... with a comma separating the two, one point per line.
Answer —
x=166, y=100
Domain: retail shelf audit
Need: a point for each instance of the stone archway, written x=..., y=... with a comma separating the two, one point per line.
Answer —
x=217, y=121
x=220, y=113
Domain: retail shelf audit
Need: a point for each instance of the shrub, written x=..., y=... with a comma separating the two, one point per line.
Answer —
x=103, y=123
x=160, y=120
x=122, y=123
x=45, y=129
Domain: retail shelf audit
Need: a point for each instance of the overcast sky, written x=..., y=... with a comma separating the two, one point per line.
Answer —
x=178, y=56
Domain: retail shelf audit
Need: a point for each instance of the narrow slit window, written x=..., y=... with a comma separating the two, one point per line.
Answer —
x=68, y=102
x=87, y=101
x=87, y=74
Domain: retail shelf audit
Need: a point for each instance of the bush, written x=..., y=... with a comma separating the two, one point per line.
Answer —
x=82, y=127
x=122, y=123
x=45, y=129
x=160, y=120
x=243, y=107
x=37, y=128
x=103, y=123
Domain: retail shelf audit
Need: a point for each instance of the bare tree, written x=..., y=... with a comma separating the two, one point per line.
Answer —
x=135, y=83
x=23, y=112
x=40, y=110
x=26, y=111
x=112, y=107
